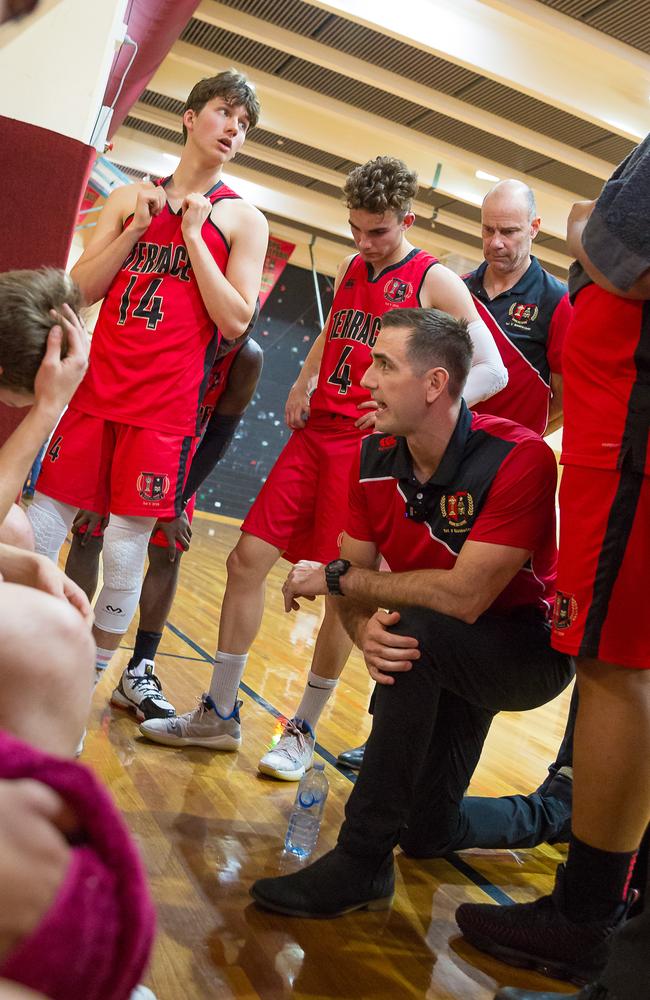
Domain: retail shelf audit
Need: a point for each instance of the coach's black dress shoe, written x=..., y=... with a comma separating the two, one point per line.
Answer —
x=352, y=758
x=335, y=884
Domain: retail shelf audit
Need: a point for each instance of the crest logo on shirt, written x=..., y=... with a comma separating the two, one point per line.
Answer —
x=565, y=610
x=152, y=486
x=397, y=291
x=349, y=283
x=457, y=507
x=387, y=442
x=523, y=312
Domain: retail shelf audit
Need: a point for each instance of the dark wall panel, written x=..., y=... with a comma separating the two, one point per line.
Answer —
x=286, y=330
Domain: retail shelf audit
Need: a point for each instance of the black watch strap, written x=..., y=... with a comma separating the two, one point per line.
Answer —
x=333, y=572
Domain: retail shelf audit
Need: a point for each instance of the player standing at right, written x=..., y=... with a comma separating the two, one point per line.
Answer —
x=602, y=610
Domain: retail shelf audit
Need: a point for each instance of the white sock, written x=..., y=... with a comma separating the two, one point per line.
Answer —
x=226, y=675
x=104, y=657
x=139, y=669
x=314, y=699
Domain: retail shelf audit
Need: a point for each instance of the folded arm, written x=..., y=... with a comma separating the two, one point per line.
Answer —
x=443, y=289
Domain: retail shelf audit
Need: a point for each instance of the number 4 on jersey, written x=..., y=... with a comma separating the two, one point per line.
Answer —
x=55, y=448
x=341, y=374
x=149, y=307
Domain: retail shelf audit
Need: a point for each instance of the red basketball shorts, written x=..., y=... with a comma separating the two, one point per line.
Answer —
x=602, y=607
x=103, y=466
x=302, y=506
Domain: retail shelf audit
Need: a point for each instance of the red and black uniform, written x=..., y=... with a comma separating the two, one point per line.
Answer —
x=217, y=384
x=495, y=484
x=299, y=507
x=528, y=323
x=602, y=608
x=603, y=605
x=123, y=445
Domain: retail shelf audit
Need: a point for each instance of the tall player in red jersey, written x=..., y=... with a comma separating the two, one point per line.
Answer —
x=300, y=511
x=178, y=271
x=233, y=380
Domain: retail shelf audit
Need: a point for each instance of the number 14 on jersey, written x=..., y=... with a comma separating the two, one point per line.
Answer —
x=148, y=308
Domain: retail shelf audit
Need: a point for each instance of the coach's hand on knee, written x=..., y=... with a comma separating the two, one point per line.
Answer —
x=386, y=652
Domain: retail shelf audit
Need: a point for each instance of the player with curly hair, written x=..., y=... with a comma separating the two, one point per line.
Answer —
x=300, y=511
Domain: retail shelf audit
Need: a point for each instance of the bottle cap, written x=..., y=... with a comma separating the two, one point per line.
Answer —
x=319, y=767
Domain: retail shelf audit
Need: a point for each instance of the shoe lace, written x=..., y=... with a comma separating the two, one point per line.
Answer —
x=147, y=685
x=183, y=722
x=291, y=741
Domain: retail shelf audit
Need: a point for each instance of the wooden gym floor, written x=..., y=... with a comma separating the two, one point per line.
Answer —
x=208, y=825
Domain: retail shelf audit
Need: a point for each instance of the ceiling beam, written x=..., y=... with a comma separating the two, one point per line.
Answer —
x=218, y=15
x=149, y=154
x=581, y=74
x=318, y=173
x=339, y=128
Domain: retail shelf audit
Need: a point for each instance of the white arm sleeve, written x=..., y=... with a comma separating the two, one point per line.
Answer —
x=488, y=374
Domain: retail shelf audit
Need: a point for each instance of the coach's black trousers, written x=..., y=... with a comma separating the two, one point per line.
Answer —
x=429, y=727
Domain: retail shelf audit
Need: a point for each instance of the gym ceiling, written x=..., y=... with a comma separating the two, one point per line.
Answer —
x=465, y=91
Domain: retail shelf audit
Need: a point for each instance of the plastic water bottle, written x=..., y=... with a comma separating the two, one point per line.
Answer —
x=305, y=820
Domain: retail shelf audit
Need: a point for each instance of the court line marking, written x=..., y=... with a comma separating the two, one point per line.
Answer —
x=471, y=874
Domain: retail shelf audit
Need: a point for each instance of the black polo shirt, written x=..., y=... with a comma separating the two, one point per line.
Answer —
x=495, y=483
x=534, y=315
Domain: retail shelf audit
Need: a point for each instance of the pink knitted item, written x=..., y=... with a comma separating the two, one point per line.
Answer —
x=95, y=940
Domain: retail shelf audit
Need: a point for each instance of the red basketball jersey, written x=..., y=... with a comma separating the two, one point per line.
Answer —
x=217, y=382
x=360, y=302
x=154, y=342
x=526, y=397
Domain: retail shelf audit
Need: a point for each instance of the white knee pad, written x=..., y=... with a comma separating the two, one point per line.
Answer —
x=51, y=521
x=125, y=549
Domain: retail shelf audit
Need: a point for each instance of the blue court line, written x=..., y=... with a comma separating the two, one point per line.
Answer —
x=493, y=891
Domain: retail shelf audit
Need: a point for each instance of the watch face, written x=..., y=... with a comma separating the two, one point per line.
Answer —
x=338, y=565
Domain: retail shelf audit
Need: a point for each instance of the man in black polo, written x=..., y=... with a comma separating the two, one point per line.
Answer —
x=529, y=308
x=462, y=506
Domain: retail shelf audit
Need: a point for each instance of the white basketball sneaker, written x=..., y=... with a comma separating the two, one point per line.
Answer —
x=203, y=727
x=292, y=755
x=140, y=691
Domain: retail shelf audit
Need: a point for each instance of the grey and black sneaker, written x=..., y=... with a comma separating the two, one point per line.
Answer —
x=140, y=692
x=203, y=727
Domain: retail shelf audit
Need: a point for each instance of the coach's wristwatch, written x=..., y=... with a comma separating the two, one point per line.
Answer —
x=333, y=572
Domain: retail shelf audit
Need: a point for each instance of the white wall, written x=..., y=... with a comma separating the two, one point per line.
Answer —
x=54, y=67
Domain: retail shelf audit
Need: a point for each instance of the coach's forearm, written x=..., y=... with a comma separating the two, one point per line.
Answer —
x=435, y=589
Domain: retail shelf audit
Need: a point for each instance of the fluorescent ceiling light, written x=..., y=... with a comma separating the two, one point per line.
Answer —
x=483, y=176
